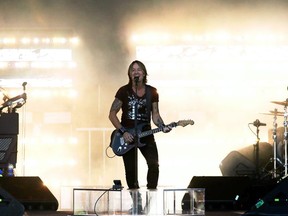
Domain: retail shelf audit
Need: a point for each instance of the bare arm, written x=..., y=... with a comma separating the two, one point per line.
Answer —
x=157, y=120
x=115, y=108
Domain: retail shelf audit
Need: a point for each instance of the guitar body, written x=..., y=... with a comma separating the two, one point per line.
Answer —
x=119, y=146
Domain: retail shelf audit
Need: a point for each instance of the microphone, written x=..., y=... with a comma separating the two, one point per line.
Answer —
x=24, y=85
x=257, y=123
x=136, y=79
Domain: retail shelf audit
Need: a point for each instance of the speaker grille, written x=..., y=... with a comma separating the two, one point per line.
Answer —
x=2, y=155
x=5, y=143
x=4, y=146
x=8, y=150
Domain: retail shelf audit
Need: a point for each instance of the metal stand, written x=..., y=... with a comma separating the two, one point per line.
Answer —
x=256, y=146
x=136, y=138
x=275, y=158
x=285, y=137
x=257, y=124
x=284, y=103
x=275, y=144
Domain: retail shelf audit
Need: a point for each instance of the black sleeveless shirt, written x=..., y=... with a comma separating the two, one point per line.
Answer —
x=129, y=98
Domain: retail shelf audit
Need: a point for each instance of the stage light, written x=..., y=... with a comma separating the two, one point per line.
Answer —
x=25, y=40
x=59, y=40
x=36, y=40
x=74, y=40
x=9, y=41
x=39, y=40
x=46, y=40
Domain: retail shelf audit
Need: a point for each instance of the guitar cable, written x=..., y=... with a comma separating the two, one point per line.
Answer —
x=107, y=154
x=95, y=204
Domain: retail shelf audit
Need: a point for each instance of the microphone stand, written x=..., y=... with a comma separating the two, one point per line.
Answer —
x=136, y=137
x=135, y=196
x=257, y=153
x=257, y=124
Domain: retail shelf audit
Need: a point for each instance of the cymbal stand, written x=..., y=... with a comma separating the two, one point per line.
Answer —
x=285, y=137
x=274, y=144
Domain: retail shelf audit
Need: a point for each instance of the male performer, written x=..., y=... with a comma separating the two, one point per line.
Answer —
x=146, y=98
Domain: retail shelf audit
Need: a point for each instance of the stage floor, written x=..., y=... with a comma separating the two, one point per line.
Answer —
x=62, y=213
x=219, y=198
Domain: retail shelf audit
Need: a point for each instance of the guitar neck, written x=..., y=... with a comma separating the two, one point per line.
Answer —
x=153, y=131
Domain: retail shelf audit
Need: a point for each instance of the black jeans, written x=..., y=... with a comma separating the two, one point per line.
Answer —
x=150, y=153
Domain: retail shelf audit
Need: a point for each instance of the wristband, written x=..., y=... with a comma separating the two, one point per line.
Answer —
x=122, y=130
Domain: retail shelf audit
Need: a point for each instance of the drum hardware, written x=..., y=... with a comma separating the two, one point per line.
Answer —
x=277, y=171
x=285, y=137
x=285, y=123
x=278, y=165
x=275, y=143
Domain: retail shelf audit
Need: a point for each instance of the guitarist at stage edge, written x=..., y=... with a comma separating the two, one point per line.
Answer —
x=137, y=91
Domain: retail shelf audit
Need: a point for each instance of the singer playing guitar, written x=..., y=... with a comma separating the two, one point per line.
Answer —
x=138, y=103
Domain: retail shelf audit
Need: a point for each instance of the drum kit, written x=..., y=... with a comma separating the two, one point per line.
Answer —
x=276, y=140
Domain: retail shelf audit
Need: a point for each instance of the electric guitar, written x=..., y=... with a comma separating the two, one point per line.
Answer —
x=120, y=147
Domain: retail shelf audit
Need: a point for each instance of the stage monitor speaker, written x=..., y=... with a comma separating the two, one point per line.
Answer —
x=8, y=151
x=242, y=162
x=9, y=123
x=273, y=203
x=9, y=129
x=223, y=192
x=236, y=164
x=9, y=206
x=30, y=191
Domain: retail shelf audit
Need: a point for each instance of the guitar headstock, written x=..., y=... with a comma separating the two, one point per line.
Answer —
x=184, y=123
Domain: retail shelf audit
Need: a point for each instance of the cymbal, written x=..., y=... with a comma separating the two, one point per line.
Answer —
x=276, y=112
x=272, y=114
x=283, y=103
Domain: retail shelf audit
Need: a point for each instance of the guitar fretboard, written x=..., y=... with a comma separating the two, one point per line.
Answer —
x=155, y=130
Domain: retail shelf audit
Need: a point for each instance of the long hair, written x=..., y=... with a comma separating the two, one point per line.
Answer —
x=142, y=66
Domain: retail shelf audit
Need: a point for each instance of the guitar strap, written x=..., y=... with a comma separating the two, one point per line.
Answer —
x=148, y=101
